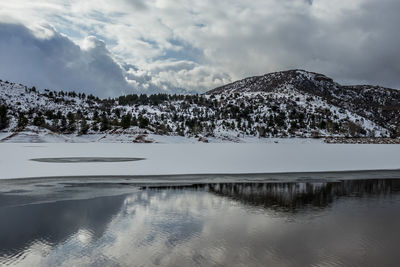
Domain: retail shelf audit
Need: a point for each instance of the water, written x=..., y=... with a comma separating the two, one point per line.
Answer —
x=85, y=159
x=313, y=223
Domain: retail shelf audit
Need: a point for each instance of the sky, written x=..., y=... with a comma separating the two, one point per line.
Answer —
x=110, y=48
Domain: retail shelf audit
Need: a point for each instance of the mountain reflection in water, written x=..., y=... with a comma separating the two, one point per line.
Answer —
x=351, y=222
x=293, y=196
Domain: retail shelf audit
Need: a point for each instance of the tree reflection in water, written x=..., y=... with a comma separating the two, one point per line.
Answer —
x=292, y=197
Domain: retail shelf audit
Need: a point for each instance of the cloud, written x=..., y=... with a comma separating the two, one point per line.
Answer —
x=56, y=62
x=51, y=60
x=187, y=45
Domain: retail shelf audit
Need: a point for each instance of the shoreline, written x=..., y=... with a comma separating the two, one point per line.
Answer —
x=153, y=138
x=224, y=177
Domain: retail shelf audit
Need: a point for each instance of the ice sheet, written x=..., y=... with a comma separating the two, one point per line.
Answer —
x=170, y=159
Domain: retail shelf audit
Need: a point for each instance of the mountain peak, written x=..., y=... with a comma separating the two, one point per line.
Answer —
x=296, y=78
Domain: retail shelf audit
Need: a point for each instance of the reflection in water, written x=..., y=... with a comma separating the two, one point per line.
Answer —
x=294, y=196
x=53, y=223
x=253, y=224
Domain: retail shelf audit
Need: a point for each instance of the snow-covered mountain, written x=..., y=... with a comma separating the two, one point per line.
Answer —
x=293, y=103
x=378, y=104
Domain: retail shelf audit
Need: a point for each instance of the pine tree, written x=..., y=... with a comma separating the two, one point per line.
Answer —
x=71, y=122
x=126, y=121
x=22, y=120
x=39, y=120
x=94, y=126
x=134, y=121
x=54, y=124
x=84, y=127
x=63, y=123
x=4, y=120
x=143, y=121
x=117, y=112
x=96, y=115
x=105, y=124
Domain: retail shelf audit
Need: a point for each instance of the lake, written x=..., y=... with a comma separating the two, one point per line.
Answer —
x=123, y=222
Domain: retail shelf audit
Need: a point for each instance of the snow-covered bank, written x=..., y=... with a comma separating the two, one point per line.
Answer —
x=33, y=134
x=169, y=159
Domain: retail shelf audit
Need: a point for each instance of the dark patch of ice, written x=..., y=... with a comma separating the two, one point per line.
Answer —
x=85, y=159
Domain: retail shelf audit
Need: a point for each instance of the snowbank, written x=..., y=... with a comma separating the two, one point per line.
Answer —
x=33, y=134
x=165, y=159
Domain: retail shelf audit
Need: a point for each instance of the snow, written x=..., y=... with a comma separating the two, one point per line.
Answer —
x=33, y=134
x=17, y=96
x=171, y=159
x=4, y=135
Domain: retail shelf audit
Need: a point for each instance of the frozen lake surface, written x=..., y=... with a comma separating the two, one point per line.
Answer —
x=125, y=222
x=173, y=159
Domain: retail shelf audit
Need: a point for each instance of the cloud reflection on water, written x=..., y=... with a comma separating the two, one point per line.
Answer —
x=279, y=224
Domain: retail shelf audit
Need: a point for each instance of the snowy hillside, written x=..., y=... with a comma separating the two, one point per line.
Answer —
x=293, y=103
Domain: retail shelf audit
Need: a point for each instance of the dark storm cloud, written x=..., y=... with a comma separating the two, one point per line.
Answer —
x=375, y=57
x=56, y=62
x=359, y=46
x=351, y=44
x=138, y=4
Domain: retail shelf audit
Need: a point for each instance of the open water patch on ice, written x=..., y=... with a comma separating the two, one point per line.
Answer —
x=85, y=159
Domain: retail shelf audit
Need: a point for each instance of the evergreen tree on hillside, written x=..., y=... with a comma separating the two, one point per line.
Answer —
x=71, y=122
x=22, y=120
x=39, y=120
x=4, y=120
x=126, y=121
x=105, y=123
x=95, y=115
x=117, y=112
x=84, y=127
x=94, y=126
x=143, y=121
x=63, y=123
x=134, y=121
x=54, y=124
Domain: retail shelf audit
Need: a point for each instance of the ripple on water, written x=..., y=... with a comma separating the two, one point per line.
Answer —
x=216, y=224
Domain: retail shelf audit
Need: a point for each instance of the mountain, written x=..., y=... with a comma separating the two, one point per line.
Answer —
x=378, y=104
x=293, y=103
